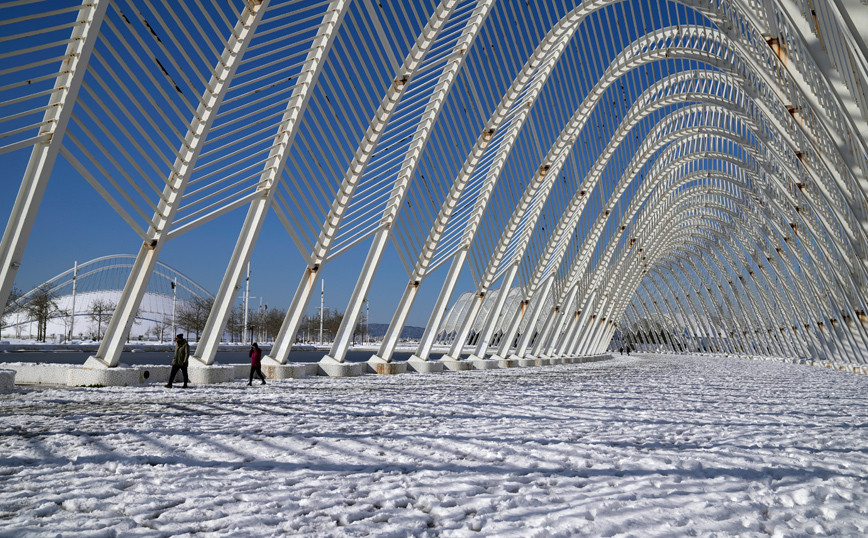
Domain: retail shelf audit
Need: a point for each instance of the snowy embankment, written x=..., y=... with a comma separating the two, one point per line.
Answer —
x=639, y=446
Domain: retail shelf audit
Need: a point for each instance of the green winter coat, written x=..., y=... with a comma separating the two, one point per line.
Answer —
x=182, y=353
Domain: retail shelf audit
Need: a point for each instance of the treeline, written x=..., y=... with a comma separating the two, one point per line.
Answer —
x=190, y=319
x=331, y=321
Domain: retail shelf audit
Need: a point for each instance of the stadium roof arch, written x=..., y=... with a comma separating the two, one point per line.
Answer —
x=102, y=279
x=683, y=174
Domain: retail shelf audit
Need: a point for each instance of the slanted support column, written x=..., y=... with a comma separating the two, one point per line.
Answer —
x=296, y=105
x=524, y=343
x=562, y=317
x=590, y=336
x=44, y=153
x=565, y=317
x=563, y=344
x=393, y=333
x=549, y=324
x=607, y=338
x=357, y=299
x=351, y=181
x=594, y=342
x=283, y=342
x=110, y=349
x=511, y=332
x=408, y=167
x=559, y=340
x=597, y=342
x=569, y=344
x=494, y=315
x=469, y=318
x=583, y=335
x=571, y=337
x=427, y=341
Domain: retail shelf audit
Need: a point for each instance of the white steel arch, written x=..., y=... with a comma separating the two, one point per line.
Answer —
x=679, y=173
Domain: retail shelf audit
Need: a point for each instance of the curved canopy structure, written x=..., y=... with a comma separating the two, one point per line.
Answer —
x=673, y=174
x=86, y=294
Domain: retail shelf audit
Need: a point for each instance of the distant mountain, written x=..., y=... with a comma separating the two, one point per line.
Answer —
x=378, y=330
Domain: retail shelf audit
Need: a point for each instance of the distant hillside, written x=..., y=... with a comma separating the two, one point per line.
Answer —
x=378, y=330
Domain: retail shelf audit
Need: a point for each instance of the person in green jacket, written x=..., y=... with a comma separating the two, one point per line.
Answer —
x=180, y=360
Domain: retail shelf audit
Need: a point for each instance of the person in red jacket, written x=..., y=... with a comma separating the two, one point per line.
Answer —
x=255, y=363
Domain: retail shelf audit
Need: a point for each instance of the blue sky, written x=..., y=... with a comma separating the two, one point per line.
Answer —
x=75, y=224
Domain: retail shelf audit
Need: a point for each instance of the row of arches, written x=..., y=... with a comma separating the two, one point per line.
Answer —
x=613, y=167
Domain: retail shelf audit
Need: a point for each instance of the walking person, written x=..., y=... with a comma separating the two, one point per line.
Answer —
x=180, y=360
x=255, y=364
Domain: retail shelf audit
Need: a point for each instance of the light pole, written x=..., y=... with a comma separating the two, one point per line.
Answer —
x=246, y=299
x=250, y=341
x=367, y=319
x=72, y=310
x=321, y=313
x=174, y=297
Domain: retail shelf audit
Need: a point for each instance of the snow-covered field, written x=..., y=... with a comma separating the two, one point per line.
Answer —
x=640, y=446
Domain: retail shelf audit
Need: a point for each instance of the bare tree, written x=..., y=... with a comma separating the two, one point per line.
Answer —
x=101, y=311
x=193, y=314
x=9, y=309
x=273, y=321
x=66, y=319
x=235, y=324
x=42, y=306
x=308, y=329
x=361, y=326
x=258, y=326
x=332, y=322
x=161, y=329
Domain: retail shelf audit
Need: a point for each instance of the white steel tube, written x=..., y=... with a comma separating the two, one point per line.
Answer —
x=430, y=334
x=44, y=153
x=72, y=309
x=119, y=327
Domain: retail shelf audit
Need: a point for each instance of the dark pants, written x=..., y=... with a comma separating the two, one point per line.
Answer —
x=175, y=369
x=258, y=371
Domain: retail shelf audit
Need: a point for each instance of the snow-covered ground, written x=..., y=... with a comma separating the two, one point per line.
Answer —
x=640, y=446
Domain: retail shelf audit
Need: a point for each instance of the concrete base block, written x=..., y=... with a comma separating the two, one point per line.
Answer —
x=376, y=365
x=268, y=361
x=332, y=368
x=456, y=365
x=526, y=362
x=242, y=371
x=7, y=381
x=39, y=374
x=104, y=377
x=423, y=366
x=591, y=358
x=566, y=360
x=543, y=362
x=556, y=360
x=287, y=371
x=209, y=375
x=93, y=362
x=156, y=373
x=507, y=363
x=485, y=364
